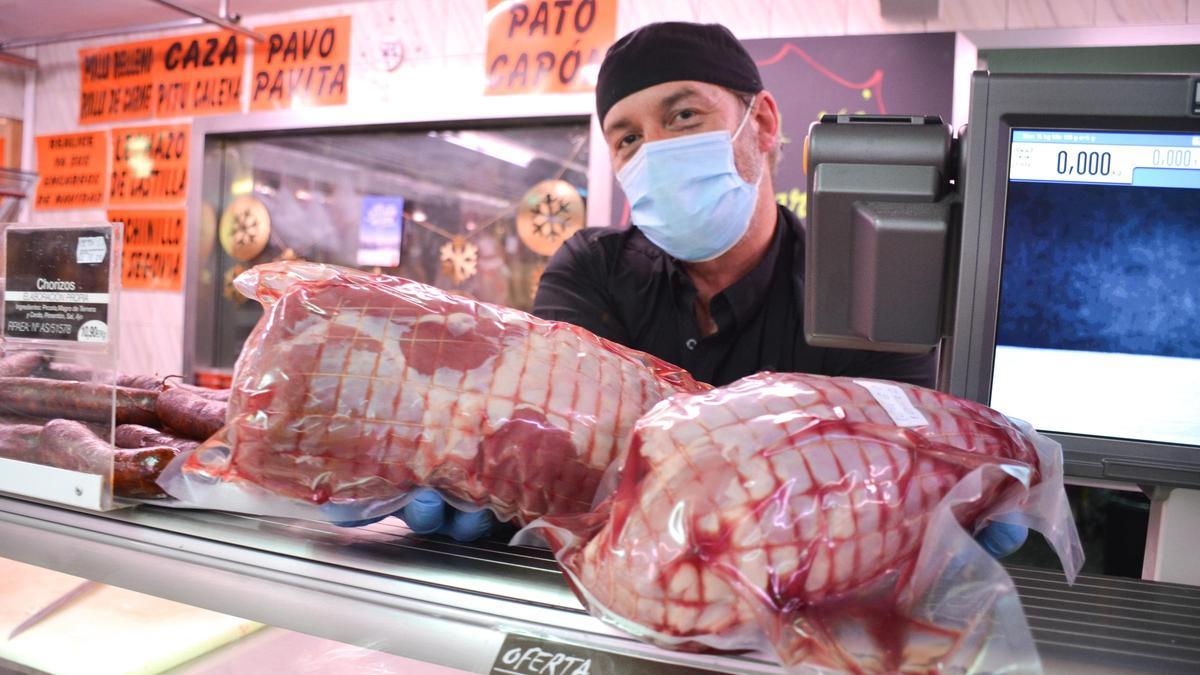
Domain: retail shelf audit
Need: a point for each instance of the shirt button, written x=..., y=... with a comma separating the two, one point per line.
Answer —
x=690, y=344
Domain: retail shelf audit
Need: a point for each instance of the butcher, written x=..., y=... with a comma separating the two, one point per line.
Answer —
x=710, y=274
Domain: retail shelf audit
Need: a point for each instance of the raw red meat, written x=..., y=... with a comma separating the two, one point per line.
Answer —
x=791, y=507
x=354, y=389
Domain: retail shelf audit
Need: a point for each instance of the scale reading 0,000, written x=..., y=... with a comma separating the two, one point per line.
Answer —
x=1167, y=160
x=1086, y=163
x=1173, y=158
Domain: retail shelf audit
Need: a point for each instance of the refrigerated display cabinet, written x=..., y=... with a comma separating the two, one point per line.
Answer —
x=472, y=207
x=429, y=598
x=453, y=604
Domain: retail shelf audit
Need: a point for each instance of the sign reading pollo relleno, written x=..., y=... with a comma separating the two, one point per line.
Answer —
x=301, y=64
x=116, y=82
x=183, y=76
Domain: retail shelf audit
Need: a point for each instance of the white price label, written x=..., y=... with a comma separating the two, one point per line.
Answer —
x=93, y=331
x=90, y=250
x=893, y=400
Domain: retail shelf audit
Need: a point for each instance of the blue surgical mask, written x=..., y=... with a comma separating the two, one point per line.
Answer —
x=686, y=194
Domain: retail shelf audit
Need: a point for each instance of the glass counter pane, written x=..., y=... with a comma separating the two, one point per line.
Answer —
x=476, y=211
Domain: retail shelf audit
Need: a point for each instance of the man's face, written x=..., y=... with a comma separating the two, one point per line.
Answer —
x=682, y=108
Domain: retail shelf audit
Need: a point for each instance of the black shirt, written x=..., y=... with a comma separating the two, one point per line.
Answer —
x=620, y=286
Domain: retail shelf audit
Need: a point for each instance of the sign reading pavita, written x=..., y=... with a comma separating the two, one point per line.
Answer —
x=301, y=64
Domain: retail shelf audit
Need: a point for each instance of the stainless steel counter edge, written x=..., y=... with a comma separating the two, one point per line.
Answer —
x=427, y=622
x=439, y=601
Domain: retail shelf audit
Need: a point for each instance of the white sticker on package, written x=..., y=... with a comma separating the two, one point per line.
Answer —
x=90, y=250
x=93, y=331
x=895, y=402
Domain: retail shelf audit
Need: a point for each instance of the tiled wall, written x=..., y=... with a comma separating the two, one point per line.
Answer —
x=442, y=76
x=12, y=91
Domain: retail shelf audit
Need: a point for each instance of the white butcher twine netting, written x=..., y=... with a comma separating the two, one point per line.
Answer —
x=355, y=389
x=828, y=520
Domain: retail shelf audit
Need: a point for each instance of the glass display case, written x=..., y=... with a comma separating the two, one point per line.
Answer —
x=474, y=209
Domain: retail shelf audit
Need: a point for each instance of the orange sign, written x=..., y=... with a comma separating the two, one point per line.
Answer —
x=152, y=257
x=71, y=170
x=116, y=82
x=198, y=74
x=301, y=64
x=149, y=165
x=173, y=77
x=547, y=46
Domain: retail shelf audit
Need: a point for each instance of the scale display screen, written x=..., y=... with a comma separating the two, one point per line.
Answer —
x=1098, y=325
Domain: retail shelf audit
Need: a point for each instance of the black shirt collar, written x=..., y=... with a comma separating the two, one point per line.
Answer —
x=743, y=299
x=746, y=295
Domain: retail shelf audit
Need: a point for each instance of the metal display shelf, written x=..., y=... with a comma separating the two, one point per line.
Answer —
x=452, y=604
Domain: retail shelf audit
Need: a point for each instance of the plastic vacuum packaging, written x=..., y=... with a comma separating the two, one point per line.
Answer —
x=61, y=414
x=828, y=520
x=355, y=389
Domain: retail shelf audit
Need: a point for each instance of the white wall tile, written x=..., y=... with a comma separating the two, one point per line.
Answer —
x=1193, y=12
x=12, y=91
x=632, y=14
x=969, y=15
x=291, y=15
x=748, y=19
x=417, y=81
x=795, y=18
x=56, y=106
x=150, y=349
x=151, y=333
x=864, y=18
x=419, y=25
x=1134, y=12
x=391, y=41
x=465, y=31
x=75, y=216
x=1051, y=13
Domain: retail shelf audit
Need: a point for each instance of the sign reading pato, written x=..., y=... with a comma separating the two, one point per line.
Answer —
x=547, y=46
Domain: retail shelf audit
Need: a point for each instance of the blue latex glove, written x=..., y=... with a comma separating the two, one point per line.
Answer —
x=1001, y=539
x=428, y=513
x=359, y=523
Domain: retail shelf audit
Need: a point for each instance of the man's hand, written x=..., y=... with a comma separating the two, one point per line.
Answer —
x=428, y=513
x=1001, y=539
